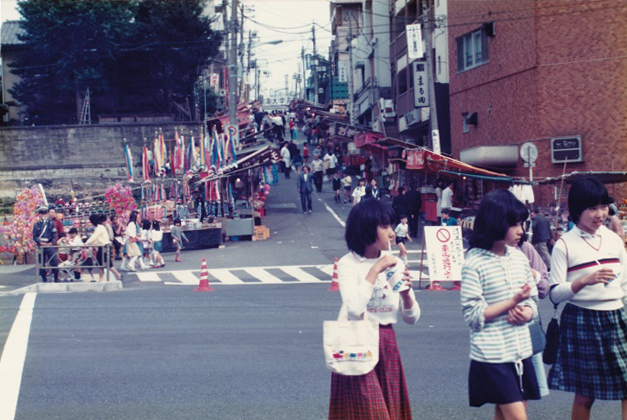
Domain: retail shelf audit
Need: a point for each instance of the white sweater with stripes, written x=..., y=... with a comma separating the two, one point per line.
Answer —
x=488, y=279
x=578, y=253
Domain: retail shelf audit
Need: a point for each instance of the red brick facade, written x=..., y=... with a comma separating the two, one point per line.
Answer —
x=556, y=68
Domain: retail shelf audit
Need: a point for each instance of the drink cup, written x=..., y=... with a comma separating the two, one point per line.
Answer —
x=394, y=275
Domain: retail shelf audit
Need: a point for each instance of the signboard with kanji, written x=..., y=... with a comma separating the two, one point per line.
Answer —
x=214, y=80
x=421, y=85
x=566, y=149
x=414, y=41
x=445, y=252
x=345, y=130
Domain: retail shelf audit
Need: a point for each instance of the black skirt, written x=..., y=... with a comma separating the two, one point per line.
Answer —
x=400, y=240
x=498, y=383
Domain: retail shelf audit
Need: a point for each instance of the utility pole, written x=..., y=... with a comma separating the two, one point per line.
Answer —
x=315, y=64
x=350, y=69
x=250, y=42
x=433, y=111
x=233, y=67
x=302, y=58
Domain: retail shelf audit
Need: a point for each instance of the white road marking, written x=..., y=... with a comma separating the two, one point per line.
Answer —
x=333, y=213
x=225, y=276
x=301, y=275
x=186, y=277
x=13, y=356
x=148, y=276
x=263, y=275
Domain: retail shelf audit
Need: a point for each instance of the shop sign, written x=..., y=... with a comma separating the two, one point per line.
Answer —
x=421, y=87
x=414, y=41
x=214, y=80
x=412, y=117
x=566, y=149
x=343, y=71
x=445, y=252
x=415, y=159
x=345, y=130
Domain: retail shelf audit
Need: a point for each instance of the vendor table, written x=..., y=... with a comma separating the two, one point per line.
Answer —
x=198, y=239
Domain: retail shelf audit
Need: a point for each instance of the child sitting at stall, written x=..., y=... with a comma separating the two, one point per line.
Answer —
x=447, y=220
x=76, y=256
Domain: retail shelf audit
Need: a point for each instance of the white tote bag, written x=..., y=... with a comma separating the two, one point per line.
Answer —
x=351, y=347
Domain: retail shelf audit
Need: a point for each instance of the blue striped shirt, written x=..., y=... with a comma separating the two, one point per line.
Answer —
x=488, y=279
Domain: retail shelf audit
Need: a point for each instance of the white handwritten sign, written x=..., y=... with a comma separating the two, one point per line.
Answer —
x=445, y=252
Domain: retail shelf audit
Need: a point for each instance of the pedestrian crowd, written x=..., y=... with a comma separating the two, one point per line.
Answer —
x=503, y=279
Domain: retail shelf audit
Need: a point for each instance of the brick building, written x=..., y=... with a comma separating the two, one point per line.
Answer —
x=534, y=71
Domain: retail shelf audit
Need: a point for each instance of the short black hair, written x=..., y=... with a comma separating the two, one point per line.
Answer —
x=445, y=210
x=401, y=190
x=499, y=210
x=95, y=220
x=177, y=221
x=403, y=216
x=363, y=221
x=146, y=224
x=585, y=193
x=156, y=225
x=73, y=231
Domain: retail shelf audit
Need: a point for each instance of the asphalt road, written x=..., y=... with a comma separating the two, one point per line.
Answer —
x=153, y=351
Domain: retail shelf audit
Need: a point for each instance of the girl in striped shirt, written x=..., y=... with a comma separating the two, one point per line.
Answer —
x=496, y=287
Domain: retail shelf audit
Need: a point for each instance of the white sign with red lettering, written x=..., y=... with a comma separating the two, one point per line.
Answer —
x=445, y=252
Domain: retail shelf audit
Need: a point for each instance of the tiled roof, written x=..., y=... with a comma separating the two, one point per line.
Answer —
x=10, y=30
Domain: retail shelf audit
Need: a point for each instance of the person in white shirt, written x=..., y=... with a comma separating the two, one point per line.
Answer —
x=359, y=192
x=99, y=238
x=589, y=273
x=331, y=161
x=286, y=160
x=317, y=166
x=156, y=236
x=447, y=196
x=364, y=288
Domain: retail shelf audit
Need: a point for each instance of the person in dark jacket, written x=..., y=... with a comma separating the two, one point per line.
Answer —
x=414, y=202
x=305, y=188
x=541, y=228
x=400, y=205
x=45, y=235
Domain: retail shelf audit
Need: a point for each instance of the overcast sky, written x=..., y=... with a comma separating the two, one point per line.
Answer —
x=291, y=21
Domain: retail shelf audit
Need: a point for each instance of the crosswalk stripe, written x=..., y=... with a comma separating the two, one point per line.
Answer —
x=225, y=276
x=186, y=277
x=327, y=269
x=153, y=277
x=301, y=275
x=263, y=275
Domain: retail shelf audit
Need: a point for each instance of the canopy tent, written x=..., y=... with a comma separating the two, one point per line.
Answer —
x=419, y=159
x=606, y=177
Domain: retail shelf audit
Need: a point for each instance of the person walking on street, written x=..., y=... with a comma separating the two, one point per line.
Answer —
x=317, y=166
x=447, y=196
x=305, y=188
x=336, y=183
x=45, y=235
x=414, y=203
x=541, y=229
x=359, y=191
x=381, y=393
x=399, y=204
x=286, y=159
x=376, y=193
x=347, y=183
x=305, y=154
x=588, y=273
x=331, y=162
x=177, y=238
x=496, y=289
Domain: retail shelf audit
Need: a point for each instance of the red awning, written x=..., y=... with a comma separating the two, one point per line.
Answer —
x=425, y=159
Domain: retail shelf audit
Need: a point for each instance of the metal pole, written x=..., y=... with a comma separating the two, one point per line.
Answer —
x=233, y=65
x=314, y=64
x=302, y=57
x=433, y=114
x=350, y=70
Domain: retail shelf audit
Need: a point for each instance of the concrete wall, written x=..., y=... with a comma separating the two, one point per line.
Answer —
x=92, y=156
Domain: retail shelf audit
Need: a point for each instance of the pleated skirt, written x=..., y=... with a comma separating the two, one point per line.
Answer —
x=380, y=394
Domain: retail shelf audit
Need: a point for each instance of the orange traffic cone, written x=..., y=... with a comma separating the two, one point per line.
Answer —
x=203, y=286
x=457, y=285
x=335, y=286
x=434, y=286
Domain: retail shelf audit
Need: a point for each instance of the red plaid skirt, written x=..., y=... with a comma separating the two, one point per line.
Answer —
x=380, y=394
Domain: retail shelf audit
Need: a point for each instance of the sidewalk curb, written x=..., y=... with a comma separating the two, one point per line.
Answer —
x=67, y=288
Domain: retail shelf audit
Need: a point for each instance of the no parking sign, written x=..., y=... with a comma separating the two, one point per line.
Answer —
x=445, y=252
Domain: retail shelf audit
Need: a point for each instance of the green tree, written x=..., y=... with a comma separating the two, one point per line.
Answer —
x=135, y=56
x=68, y=47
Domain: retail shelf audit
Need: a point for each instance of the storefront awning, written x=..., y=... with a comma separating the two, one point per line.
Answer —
x=606, y=177
x=262, y=156
x=420, y=159
x=478, y=176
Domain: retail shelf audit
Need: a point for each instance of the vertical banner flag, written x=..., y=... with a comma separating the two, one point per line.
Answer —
x=421, y=88
x=414, y=41
x=129, y=162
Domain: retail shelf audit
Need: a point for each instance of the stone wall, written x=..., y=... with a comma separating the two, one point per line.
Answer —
x=92, y=156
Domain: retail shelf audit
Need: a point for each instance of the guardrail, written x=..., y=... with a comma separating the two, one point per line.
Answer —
x=51, y=258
